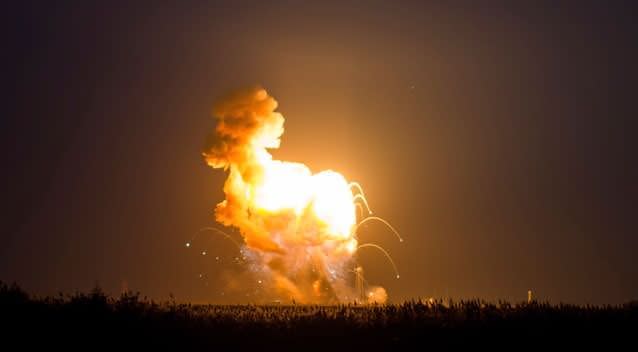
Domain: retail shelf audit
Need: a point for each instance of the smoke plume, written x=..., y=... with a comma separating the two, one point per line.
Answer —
x=298, y=227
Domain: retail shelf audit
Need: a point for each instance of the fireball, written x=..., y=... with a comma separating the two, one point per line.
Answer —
x=299, y=227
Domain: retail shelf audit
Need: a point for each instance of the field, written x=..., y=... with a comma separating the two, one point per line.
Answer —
x=97, y=321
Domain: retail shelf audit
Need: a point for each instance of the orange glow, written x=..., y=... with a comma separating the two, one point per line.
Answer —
x=299, y=226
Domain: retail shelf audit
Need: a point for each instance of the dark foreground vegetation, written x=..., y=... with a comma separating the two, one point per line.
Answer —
x=95, y=321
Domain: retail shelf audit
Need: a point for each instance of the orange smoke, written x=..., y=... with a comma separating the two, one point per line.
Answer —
x=298, y=226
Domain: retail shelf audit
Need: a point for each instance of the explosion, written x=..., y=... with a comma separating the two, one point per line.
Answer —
x=299, y=228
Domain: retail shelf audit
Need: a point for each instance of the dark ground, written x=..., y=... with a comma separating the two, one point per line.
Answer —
x=96, y=321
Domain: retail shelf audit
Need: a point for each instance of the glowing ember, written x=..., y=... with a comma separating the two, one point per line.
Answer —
x=299, y=227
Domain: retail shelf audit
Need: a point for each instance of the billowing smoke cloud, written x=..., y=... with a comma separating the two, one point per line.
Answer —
x=298, y=227
x=246, y=121
x=246, y=125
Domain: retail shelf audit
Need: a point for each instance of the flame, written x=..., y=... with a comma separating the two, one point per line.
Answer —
x=286, y=186
x=298, y=226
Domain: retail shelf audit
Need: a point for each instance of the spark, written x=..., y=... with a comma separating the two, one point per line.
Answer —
x=361, y=194
x=371, y=218
x=360, y=207
x=356, y=185
x=387, y=255
x=218, y=231
x=363, y=199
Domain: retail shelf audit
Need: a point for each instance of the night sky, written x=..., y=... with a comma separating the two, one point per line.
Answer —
x=498, y=138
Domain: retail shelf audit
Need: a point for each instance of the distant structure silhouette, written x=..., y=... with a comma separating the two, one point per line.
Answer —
x=360, y=285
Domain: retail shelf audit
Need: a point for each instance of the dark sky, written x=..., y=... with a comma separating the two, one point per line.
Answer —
x=498, y=138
